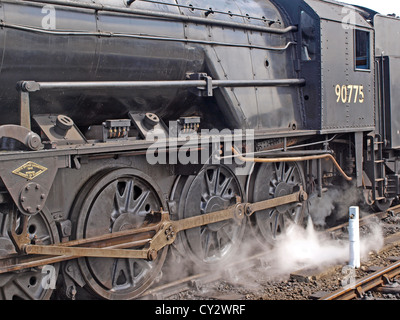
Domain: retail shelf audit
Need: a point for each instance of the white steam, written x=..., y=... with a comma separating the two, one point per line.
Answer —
x=308, y=248
x=334, y=202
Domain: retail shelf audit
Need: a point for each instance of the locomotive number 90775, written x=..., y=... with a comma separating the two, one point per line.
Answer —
x=350, y=93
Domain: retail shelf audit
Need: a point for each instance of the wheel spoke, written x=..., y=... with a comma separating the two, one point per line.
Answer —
x=224, y=187
x=23, y=288
x=289, y=174
x=123, y=191
x=279, y=171
x=277, y=225
x=210, y=181
x=138, y=204
x=118, y=278
x=207, y=242
x=272, y=213
x=224, y=235
x=217, y=174
x=217, y=244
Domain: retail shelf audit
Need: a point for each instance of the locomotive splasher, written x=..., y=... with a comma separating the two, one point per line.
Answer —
x=96, y=80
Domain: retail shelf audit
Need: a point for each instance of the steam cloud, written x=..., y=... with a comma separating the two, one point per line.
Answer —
x=299, y=247
x=307, y=248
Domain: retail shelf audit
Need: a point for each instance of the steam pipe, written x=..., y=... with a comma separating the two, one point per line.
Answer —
x=294, y=159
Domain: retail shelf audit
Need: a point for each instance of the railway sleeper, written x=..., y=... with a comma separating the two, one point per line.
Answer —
x=154, y=237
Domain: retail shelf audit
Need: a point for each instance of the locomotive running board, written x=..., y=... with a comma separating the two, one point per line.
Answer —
x=115, y=245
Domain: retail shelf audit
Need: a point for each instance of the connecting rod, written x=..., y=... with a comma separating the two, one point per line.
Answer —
x=152, y=238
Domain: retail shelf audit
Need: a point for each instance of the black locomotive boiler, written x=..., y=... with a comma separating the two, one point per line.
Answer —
x=131, y=128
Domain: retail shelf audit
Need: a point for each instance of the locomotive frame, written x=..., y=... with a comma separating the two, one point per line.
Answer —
x=320, y=115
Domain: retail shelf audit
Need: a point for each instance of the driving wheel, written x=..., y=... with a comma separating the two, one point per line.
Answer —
x=118, y=200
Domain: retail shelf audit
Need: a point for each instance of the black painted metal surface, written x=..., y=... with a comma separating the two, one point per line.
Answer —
x=102, y=41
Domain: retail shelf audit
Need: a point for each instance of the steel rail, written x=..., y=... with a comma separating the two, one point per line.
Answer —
x=367, y=283
x=371, y=281
x=178, y=285
x=204, y=277
x=169, y=288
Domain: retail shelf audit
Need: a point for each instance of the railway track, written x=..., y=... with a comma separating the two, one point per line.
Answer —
x=233, y=284
x=380, y=280
x=198, y=281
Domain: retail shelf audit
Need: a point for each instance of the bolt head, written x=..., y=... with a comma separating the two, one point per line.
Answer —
x=152, y=255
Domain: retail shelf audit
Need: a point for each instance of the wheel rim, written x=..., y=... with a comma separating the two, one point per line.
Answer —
x=214, y=188
x=120, y=200
x=32, y=284
x=274, y=180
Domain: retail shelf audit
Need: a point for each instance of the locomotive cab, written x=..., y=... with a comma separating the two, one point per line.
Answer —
x=343, y=48
x=337, y=62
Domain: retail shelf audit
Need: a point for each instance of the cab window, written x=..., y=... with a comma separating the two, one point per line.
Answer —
x=362, y=50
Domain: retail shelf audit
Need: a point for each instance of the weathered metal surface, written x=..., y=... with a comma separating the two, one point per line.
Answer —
x=112, y=245
x=21, y=134
x=369, y=282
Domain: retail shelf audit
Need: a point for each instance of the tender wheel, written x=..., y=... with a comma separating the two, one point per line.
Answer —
x=382, y=205
x=272, y=180
x=35, y=283
x=214, y=188
x=118, y=200
x=379, y=205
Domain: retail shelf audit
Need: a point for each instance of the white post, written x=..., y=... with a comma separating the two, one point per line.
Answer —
x=354, y=237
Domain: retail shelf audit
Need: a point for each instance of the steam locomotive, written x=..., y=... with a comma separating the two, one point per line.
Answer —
x=129, y=129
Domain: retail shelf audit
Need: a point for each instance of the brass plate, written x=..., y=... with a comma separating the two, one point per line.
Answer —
x=29, y=170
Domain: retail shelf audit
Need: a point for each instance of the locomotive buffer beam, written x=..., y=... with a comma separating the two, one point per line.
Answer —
x=115, y=245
